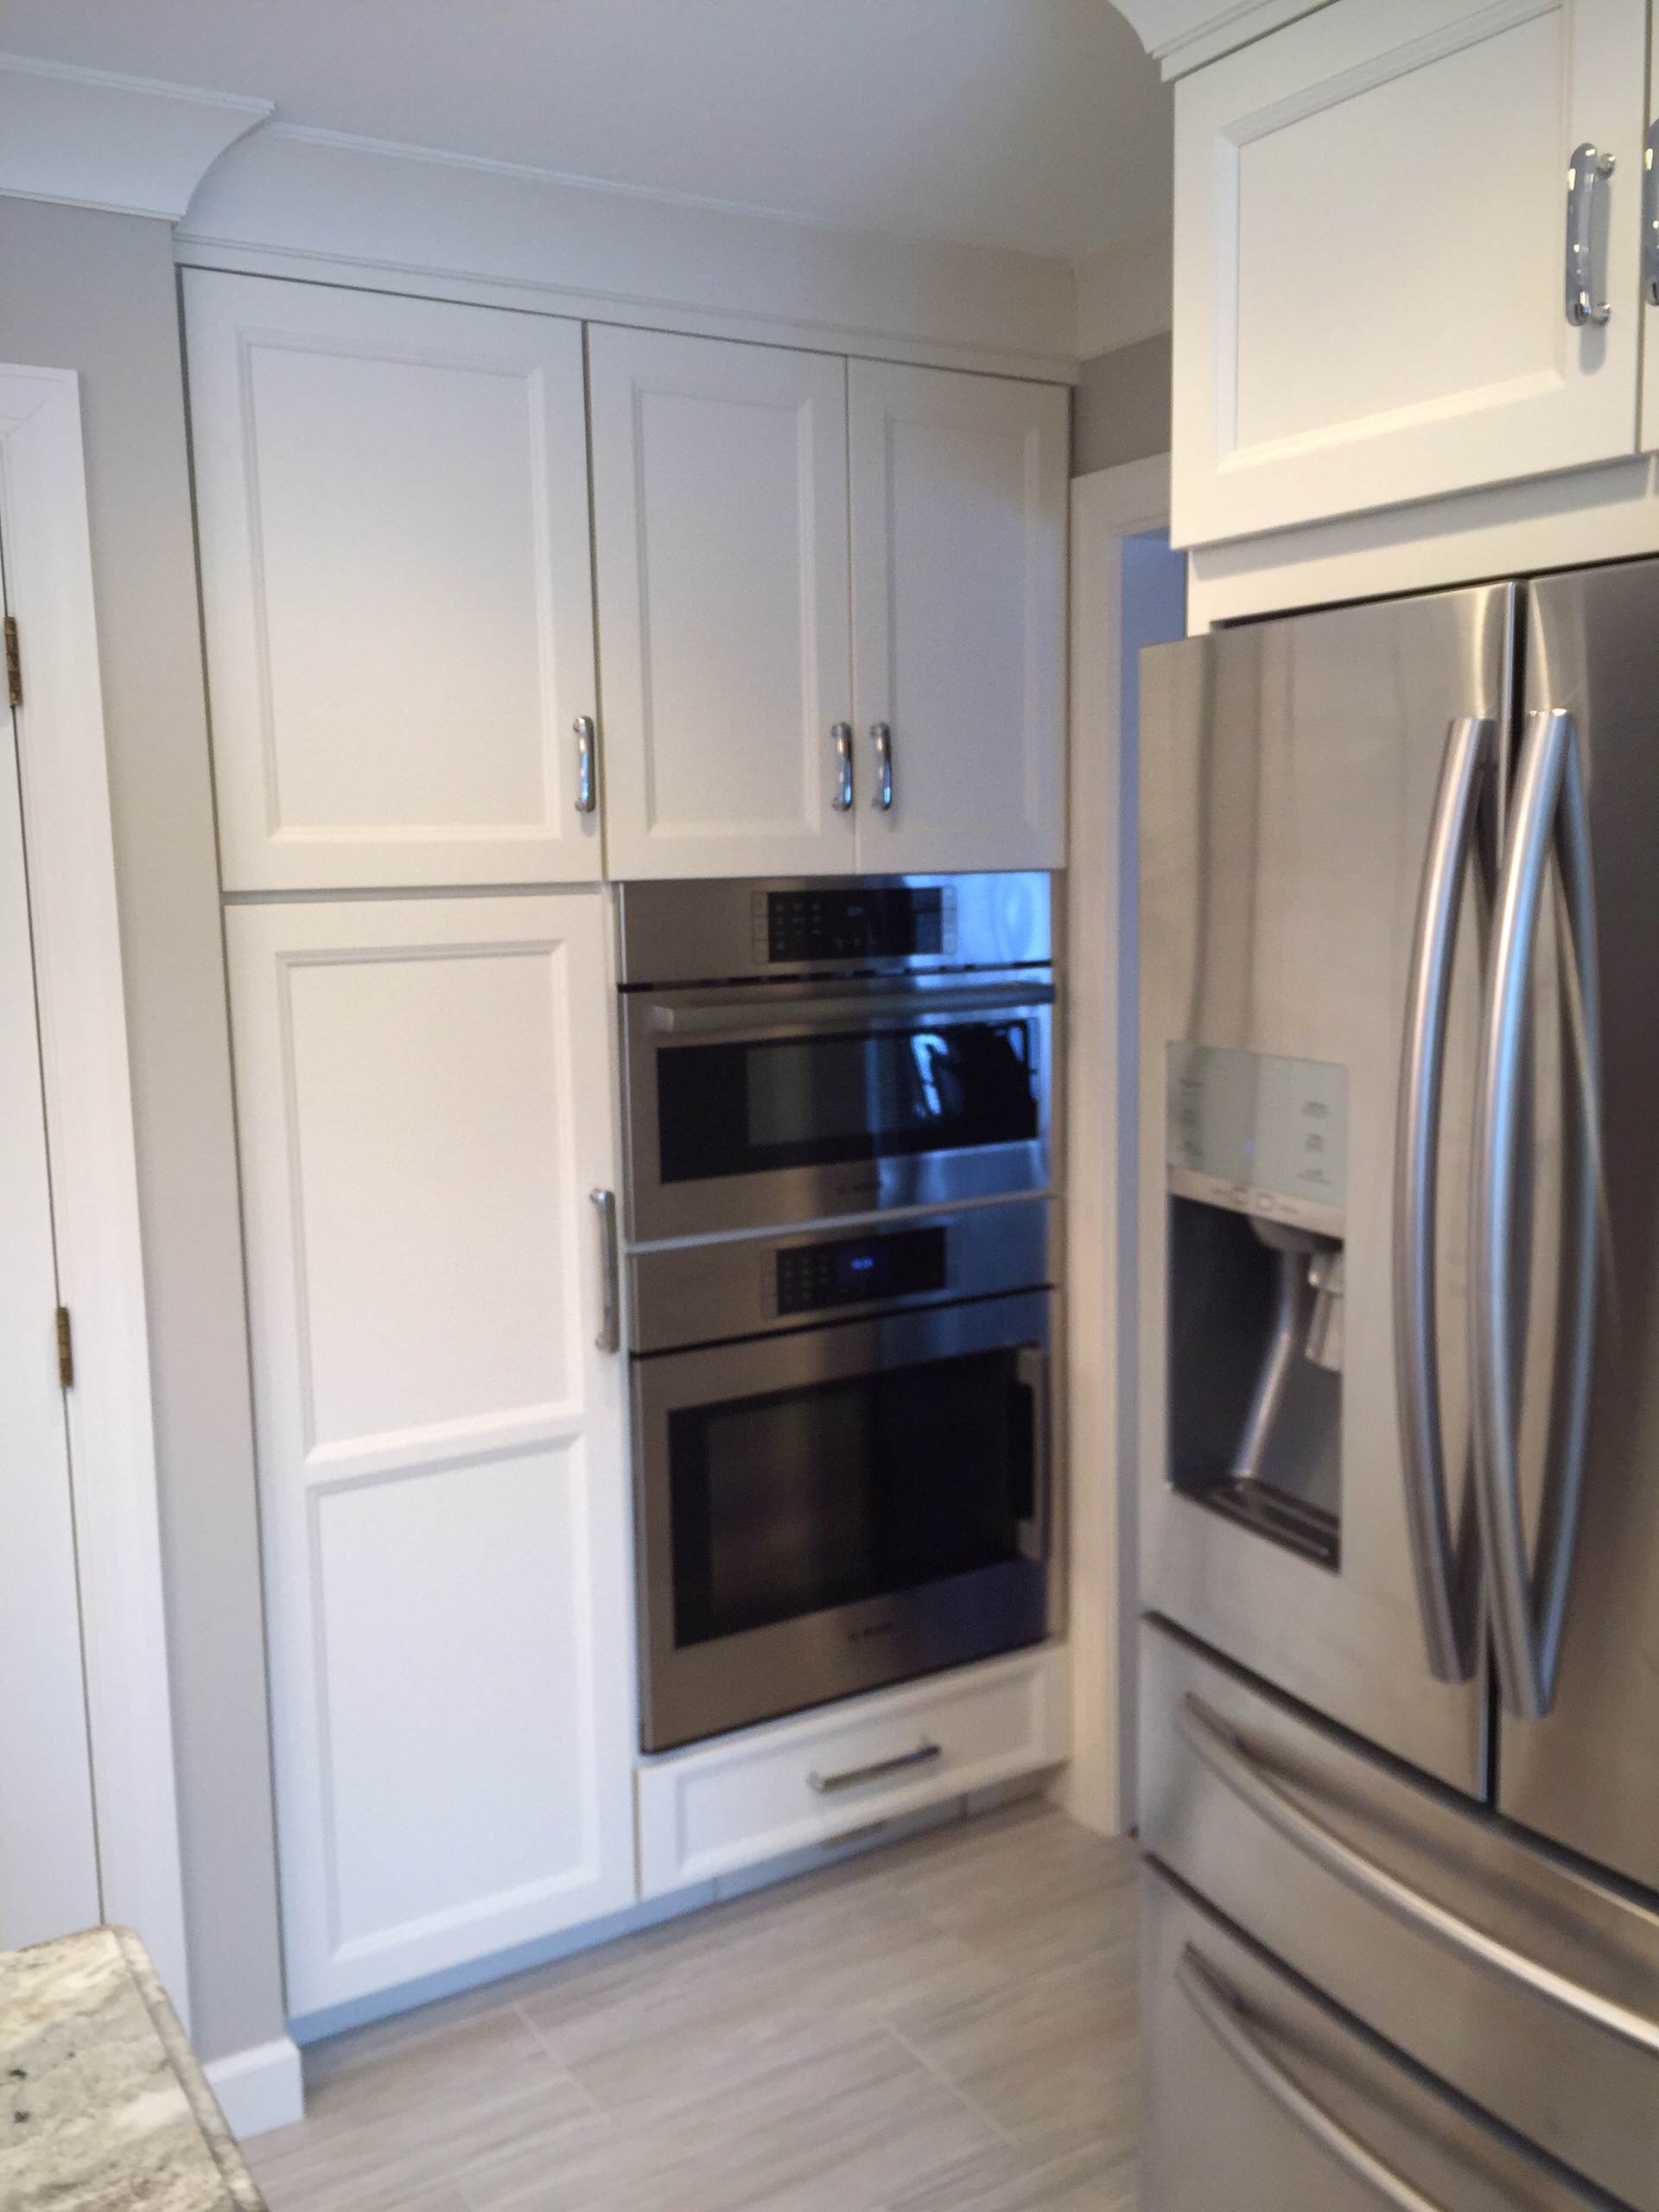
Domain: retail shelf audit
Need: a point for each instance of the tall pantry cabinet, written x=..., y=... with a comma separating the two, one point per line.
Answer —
x=496, y=605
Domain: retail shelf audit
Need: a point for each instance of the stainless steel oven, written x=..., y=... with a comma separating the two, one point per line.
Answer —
x=798, y=1050
x=843, y=1469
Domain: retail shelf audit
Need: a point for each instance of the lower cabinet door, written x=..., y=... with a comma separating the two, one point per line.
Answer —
x=1262, y=2097
x=425, y=1094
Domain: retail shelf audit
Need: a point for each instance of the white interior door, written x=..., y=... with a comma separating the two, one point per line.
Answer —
x=424, y=1089
x=1370, y=235
x=720, y=517
x=48, y=1854
x=392, y=503
x=959, y=530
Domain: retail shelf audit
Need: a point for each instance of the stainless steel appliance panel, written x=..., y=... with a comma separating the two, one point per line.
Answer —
x=1260, y=2098
x=701, y=1676
x=1588, y=1774
x=1532, y=1989
x=1291, y=772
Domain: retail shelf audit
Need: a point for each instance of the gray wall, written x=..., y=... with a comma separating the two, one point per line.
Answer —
x=96, y=293
x=1120, y=411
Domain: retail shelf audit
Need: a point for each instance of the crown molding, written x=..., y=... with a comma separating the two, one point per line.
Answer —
x=1183, y=35
x=127, y=144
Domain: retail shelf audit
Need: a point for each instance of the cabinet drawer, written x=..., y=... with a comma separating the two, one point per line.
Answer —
x=1530, y=1988
x=1300, y=2107
x=754, y=1796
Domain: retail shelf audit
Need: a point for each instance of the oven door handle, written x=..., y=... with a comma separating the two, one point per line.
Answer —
x=740, y=1017
x=1031, y=1368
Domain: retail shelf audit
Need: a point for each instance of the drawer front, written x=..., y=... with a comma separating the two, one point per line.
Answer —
x=1530, y=1989
x=1258, y=2096
x=746, y=1798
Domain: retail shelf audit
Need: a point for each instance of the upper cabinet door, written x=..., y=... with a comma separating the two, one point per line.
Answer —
x=959, y=522
x=392, y=502
x=720, y=509
x=1370, y=257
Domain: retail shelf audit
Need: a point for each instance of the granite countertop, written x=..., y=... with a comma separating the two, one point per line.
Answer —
x=104, y=2107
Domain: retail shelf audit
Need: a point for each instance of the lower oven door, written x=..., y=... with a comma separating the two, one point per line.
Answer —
x=830, y=1511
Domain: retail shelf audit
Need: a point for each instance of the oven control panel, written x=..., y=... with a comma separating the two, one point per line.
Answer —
x=832, y=922
x=852, y=1270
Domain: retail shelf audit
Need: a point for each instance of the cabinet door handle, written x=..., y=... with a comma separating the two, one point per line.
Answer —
x=841, y=799
x=586, y=788
x=881, y=738
x=1587, y=169
x=1650, y=214
x=610, y=1313
x=852, y=1778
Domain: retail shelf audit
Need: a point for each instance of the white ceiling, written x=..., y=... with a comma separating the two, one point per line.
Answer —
x=1038, y=124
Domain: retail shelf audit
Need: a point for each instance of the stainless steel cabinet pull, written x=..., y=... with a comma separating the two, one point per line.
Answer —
x=1214, y=1742
x=587, y=786
x=610, y=1315
x=1530, y=1601
x=842, y=798
x=1650, y=214
x=1587, y=169
x=1445, y=1597
x=826, y=1785
x=881, y=738
x=1224, y=2012
x=1031, y=1371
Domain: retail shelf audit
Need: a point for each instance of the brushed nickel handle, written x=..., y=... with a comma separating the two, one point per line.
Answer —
x=842, y=796
x=1219, y=1747
x=826, y=1785
x=1445, y=1591
x=586, y=781
x=1529, y=1600
x=1224, y=2013
x=1588, y=168
x=610, y=1317
x=881, y=738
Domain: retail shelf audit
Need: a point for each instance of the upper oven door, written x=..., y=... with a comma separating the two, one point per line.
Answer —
x=791, y=1101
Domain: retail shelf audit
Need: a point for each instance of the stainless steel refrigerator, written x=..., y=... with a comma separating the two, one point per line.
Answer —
x=1399, y=1404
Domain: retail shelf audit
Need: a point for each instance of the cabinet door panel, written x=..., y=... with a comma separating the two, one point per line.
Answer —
x=719, y=503
x=959, y=520
x=424, y=1093
x=393, y=503
x=1371, y=241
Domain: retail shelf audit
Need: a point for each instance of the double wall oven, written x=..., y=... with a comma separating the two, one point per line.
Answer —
x=842, y=1246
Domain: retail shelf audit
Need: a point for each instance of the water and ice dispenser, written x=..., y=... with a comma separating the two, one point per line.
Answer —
x=1256, y=1153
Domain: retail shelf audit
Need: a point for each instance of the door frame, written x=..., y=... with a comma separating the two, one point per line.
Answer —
x=90, y=1145
x=1100, y=1059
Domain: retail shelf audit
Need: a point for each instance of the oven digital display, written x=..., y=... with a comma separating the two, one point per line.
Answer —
x=852, y=1270
x=882, y=923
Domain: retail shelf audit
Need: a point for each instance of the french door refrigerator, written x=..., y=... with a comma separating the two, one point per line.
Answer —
x=1399, y=1403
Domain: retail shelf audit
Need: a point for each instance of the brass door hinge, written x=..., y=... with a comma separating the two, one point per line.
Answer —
x=66, y=1350
x=13, y=664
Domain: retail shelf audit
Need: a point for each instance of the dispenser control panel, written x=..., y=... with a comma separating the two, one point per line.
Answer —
x=1258, y=1132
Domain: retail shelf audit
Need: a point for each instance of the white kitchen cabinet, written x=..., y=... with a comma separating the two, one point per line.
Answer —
x=720, y=521
x=959, y=526
x=1370, y=242
x=424, y=1091
x=392, y=507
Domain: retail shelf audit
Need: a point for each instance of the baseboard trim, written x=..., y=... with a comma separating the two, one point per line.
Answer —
x=259, y=2089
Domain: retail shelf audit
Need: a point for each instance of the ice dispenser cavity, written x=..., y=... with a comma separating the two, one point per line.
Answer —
x=1257, y=1154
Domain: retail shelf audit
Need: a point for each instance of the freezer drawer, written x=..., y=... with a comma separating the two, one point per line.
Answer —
x=1260, y=2097
x=1532, y=1989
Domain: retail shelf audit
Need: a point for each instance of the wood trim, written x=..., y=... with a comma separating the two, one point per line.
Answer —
x=90, y=1138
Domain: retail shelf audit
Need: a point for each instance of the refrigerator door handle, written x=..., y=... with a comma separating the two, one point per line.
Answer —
x=1443, y=1567
x=1228, y=2018
x=1528, y=1597
x=1238, y=1769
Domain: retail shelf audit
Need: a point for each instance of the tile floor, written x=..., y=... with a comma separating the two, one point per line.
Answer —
x=945, y=2025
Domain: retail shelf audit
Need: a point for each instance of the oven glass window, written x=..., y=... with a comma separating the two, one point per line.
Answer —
x=812, y=1101
x=788, y=1504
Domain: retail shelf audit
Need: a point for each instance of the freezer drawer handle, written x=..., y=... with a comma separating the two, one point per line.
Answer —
x=1444, y=1568
x=1529, y=1597
x=1221, y=1750
x=1224, y=2012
